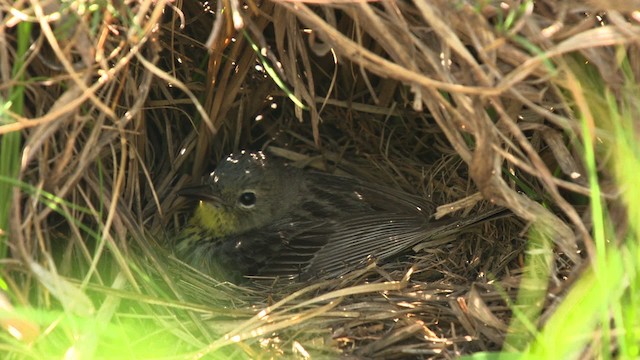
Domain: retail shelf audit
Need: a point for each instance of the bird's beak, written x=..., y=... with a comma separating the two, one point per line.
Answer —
x=199, y=192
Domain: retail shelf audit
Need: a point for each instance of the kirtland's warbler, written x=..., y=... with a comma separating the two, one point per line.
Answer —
x=258, y=216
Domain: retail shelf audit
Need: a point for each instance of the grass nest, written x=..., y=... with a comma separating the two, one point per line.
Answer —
x=109, y=108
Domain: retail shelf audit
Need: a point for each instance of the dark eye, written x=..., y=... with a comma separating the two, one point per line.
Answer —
x=247, y=199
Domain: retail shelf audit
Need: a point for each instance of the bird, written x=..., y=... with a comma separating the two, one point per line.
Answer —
x=258, y=216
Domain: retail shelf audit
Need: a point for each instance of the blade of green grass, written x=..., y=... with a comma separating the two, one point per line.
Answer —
x=10, y=144
x=273, y=73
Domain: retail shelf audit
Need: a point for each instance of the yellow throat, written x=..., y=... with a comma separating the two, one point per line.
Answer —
x=214, y=220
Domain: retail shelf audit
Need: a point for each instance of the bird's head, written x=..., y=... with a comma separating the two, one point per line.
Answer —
x=246, y=191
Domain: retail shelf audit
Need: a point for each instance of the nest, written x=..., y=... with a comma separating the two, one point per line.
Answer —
x=113, y=107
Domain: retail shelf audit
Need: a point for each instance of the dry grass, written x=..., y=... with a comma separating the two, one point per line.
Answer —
x=124, y=104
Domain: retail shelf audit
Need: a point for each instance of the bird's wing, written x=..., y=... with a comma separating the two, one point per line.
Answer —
x=298, y=241
x=342, y=222
x=326, y=248
x=364, y=238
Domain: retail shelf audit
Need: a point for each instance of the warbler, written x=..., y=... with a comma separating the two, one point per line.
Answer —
x=259, y=216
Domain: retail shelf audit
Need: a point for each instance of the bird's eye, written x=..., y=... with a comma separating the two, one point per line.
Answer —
x=247, y=199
